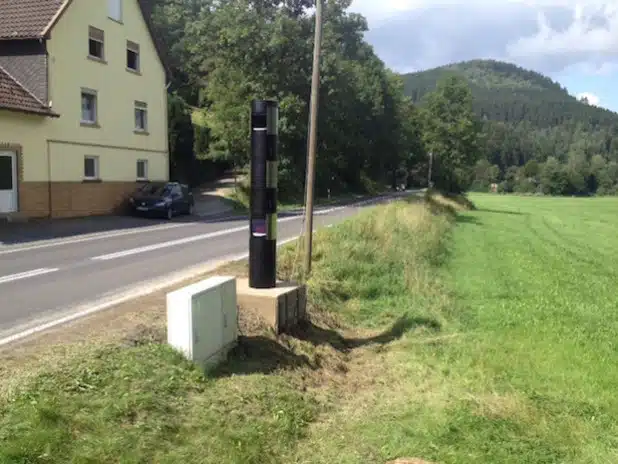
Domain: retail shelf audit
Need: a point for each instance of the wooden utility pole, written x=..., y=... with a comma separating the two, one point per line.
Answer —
x=312, y=137
x=429, y=183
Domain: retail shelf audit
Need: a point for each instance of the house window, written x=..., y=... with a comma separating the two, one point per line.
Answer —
x=132, y=56
x=91, y=167
x=142, y=169
x=115, y=9
x=96, y=43
x=89, y=106
x=141, y=116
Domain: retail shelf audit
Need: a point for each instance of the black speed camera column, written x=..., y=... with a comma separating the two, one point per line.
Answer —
x=263, y=201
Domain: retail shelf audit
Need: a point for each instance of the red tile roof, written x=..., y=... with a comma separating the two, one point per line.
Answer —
x=26, y=19
x=30, y=19
x=13, y=96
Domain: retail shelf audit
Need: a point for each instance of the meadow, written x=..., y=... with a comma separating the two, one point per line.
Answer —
x=438, y=332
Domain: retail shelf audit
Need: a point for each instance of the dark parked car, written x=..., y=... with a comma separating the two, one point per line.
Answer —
x=165, y=199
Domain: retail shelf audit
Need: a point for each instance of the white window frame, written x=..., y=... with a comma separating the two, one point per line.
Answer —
x=140, y=106
x=114, y=10
x=145, y=163
x=94, y=94
x=96, y=168
x=94, y=38
x=133, y=47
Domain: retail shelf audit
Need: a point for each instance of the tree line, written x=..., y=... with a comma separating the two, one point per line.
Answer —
x=535, y=137
x=224, y=53
x=487, y=123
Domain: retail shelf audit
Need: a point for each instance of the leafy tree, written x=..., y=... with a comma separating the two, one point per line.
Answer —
x=532, y=168
x=451, y=133
x=554, y=178
x=234, y=51
x=181, y=138
x=578, y=173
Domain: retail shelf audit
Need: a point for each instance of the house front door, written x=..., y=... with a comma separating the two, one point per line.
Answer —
x=8, y=182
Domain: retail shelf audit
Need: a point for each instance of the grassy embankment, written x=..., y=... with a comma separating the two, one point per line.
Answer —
x=495, y=345
x=239, y=195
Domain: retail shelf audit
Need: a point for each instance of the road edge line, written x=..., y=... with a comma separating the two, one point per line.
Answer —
x=144, y=288
x=137, y=291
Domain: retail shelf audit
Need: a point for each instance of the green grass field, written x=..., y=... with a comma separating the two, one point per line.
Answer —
x=535, y=283
x=489, y=336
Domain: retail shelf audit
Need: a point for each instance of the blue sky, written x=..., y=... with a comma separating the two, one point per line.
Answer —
x=573, y=41
x=605, y=86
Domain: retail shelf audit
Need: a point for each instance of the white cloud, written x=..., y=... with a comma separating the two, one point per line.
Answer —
x=591, y=98
x=376, y=10
x=547, y=35
x=593, y=31
x=594, y=69
x=373, y=8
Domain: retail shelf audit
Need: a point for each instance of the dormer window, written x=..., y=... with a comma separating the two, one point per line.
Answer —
x=96, y=43
x=115, y=10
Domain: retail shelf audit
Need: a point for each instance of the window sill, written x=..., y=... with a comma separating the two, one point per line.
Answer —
x=141, y=132
x=97, y=59
x=119, y=21
x=137, y=72
x=91, y=181
x=92, y=125
x=142, y=181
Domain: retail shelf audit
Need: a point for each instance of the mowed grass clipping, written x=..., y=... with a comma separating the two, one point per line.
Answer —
x=486, y=336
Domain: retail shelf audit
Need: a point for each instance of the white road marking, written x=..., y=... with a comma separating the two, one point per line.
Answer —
x=196, y=238
x=180, y=241
x=27, y=274
x=9, y=249
x=90, y=237
x=331, y=210
x=137, y=291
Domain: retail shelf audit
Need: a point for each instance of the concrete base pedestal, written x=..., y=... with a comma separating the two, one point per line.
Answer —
x=281, y=307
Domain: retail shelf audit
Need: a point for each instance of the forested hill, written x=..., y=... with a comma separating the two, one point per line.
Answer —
x=508, y=93
x=528, y=117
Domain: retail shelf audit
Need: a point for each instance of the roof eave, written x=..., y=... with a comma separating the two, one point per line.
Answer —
x=55, y=18
x=22, y=37
x=43, y=113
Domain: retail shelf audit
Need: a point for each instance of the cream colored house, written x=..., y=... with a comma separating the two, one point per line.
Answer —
x=83, y=106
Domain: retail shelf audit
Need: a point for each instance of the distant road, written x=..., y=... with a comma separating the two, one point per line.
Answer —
x=42, y=280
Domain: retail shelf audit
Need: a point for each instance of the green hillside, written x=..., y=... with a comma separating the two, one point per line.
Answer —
x=484, y=74
x=528, y=117
x=508, y=93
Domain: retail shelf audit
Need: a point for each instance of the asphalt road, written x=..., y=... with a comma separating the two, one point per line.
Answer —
x=43, y=279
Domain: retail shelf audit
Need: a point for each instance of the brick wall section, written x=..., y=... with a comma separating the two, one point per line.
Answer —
x=74, y=199
x=34, y=199
x=69, y=199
